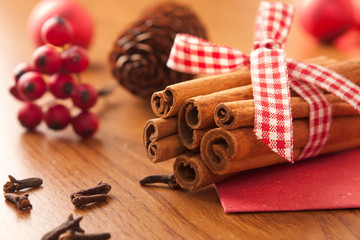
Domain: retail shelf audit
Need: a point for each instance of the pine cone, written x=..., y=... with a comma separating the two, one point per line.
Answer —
x=138, y=58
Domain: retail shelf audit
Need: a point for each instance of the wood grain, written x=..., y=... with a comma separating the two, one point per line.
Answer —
x=116, y=154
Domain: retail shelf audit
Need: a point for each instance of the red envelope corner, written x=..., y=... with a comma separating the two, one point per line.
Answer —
x=325, y=182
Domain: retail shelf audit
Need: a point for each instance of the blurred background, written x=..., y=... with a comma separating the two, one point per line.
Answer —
x=321, y=27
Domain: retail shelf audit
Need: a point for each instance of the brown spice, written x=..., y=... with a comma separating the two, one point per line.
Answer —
x=71, y=224
x=101, y=188
x=16, y=185
x=168, y=179
x=71, y=235
x=192, y=174
x=166, y=148
x=81, y=201
x=21, y=200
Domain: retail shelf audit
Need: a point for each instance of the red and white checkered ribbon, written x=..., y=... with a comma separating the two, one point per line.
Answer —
x=272, y=74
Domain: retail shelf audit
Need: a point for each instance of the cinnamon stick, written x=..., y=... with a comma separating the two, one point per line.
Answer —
x=232, y=151
x=231, y=115
x=199, y=110
x=166, y=103
x=195, y=117
x=190, y=138
x=192, y=174
x=349, y=69
x=158, y=128
x=186, y=172
x=165, y=148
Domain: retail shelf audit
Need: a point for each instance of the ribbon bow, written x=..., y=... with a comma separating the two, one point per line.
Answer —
x=272, y=76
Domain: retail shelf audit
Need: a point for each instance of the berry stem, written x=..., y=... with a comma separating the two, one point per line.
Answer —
x=48, y=103
x=78, y=78
x=109, y=88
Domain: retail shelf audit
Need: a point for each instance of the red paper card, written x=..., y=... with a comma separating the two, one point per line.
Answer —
x=325, y=182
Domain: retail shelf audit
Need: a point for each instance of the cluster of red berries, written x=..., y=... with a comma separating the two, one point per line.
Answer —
x=60, y=61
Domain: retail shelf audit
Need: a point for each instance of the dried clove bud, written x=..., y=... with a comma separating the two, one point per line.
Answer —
x=168, y=179
x=16, y=185
x=81, y=201
x=101, y=188
x=21, y=200
x=71, y=235
x=71, y=224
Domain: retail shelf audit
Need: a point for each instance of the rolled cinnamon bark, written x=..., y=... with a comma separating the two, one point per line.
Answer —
x=158, y=128
x=350, y=69
x=231, y=115
x=192, y=174
x=195, y=117
x=199, y=109
x=193, y=177
x=165, y=148
x=166, y=103
x=239, y=149
x=199, y=112
x=190, y=138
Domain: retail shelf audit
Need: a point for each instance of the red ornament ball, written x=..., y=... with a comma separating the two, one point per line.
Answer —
x=30, y=115
x=325, y=19
x=85, y=124
x=78, y=17
x=356, y=4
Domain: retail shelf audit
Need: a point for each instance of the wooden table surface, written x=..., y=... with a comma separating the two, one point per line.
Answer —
x=116, y=154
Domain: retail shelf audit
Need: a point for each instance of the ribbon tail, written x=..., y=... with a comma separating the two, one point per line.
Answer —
x=273, y=119
x=326, y=79
x=320, y=117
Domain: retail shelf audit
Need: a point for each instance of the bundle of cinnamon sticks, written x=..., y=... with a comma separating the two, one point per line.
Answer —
x=206, y=126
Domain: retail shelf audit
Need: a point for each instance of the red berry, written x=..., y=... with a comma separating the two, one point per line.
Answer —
x=30, y=115
x=61, y=85
x=13, y=91
x=20, y=69
x=31, y=86
x=75, y=59
x=84, y=96
x=56, y=31
x=46, y=59
x=57, y=117
x=85, y=124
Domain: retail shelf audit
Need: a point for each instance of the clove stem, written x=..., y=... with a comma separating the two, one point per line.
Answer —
x=71, y=235
x=107, y=89
x=168, y=179
x=81, y=201
x=71, y=224
x=21, y=200
x=101, y=188
x=16, y=185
